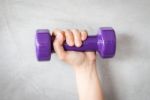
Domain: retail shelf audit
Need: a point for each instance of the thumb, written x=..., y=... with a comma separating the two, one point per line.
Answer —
x=58, y=45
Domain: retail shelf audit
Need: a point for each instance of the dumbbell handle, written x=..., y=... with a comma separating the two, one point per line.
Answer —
x=87, y=45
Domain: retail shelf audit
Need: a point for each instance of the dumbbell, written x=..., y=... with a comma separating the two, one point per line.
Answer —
x=104, y=43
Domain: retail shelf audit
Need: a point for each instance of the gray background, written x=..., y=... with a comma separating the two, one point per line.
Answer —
x=125, y=77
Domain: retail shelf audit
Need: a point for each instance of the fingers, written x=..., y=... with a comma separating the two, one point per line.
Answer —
x=69, y=37
x=58, y=43
x=84, y=35
x=77, y=37
x=59, y=34
x=72, y=37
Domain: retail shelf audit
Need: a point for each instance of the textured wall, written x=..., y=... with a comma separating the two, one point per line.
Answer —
x=125, y=77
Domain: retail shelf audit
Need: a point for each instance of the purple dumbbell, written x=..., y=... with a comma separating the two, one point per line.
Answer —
x=104, y=43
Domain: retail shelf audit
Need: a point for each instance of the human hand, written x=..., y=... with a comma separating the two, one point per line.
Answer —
x=84, y=63
x=73, y=37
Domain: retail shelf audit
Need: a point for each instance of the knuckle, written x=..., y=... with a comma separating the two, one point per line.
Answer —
x=84, y=32
x=57, y=32
x=77, y=35
x=67, y=33
x=67, y=30
x=75, y=30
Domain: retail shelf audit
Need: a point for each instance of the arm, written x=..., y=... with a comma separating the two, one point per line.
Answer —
x=83, y=63
x=88, y=83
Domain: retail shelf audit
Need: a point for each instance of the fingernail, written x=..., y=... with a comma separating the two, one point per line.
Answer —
x=78, y=44
x=71, y=44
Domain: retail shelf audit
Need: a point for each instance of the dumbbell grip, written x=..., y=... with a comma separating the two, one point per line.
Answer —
x=87, y=45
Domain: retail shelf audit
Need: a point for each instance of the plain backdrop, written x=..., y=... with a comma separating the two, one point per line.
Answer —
x=124, y=77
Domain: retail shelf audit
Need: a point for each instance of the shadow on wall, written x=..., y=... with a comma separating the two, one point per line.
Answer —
x=124, y=51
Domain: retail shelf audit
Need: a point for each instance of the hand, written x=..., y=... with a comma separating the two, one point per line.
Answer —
x=73, y=37
x=84, y=63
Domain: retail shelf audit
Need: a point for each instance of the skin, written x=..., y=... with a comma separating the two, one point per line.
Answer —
x=83, y=63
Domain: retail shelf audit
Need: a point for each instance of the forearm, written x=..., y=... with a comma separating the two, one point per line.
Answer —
x=88, y=83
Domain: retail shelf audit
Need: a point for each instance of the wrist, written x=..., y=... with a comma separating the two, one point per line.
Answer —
x=87, y=68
